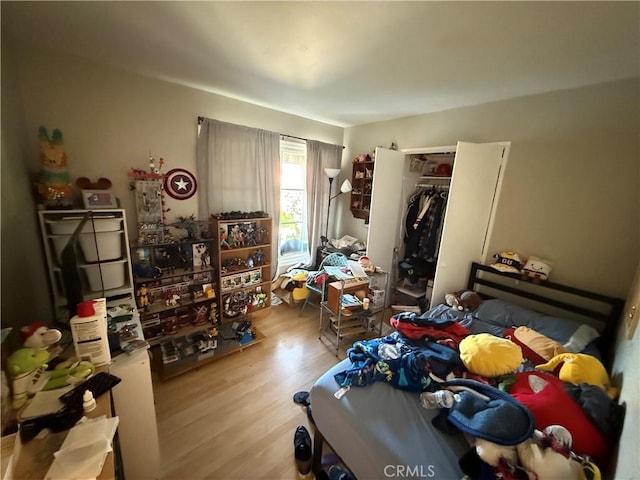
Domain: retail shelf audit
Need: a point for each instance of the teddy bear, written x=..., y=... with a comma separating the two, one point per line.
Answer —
x=463, y=300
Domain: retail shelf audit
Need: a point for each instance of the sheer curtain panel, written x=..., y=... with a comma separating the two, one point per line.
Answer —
x=239, y=170
x=319, y=156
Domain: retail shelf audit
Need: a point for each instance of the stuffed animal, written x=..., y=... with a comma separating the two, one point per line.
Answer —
x=580, y=368
x=463, y=300
x=68, y=373
x=26, y=367
x=545, y=456
x=53, y=186
x=507, y=261
x=37, y=335
x=537, y=268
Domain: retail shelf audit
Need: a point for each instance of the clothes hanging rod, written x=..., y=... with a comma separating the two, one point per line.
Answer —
x=200, y=119
x=432, y=185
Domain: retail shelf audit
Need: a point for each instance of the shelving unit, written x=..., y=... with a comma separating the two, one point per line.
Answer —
x=242, y=255
x=362, y=183
x=175, y=287
x=98, y=264
x=190, y=293
x=335, y=326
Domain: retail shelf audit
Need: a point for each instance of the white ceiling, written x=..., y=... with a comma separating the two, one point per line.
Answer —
x=347, y=63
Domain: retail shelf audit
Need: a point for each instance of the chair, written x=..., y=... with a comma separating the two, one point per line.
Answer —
x=332, y=260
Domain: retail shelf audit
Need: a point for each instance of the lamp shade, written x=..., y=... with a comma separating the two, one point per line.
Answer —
x=332, y=172
x=346, y=186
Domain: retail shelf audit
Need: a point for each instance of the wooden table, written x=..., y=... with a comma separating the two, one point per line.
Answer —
x=33, y=459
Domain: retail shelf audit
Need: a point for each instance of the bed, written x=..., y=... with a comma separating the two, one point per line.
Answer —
x=379, y=431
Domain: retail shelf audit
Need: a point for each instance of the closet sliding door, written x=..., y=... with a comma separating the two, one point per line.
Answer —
x=473, y=194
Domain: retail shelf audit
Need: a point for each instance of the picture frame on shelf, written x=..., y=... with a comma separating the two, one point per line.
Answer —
x=96, y=199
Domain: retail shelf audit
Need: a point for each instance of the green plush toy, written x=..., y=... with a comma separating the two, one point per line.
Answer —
x=68, y=373
x=26, y=368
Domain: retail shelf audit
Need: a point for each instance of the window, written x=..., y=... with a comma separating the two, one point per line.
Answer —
x=293, y=203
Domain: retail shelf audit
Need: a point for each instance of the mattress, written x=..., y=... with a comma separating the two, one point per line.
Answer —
x=382, y=432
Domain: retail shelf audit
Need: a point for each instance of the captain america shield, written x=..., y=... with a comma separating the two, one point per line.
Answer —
x=180, y=184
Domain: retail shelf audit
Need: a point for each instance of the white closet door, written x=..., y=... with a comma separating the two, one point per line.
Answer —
x=386, y=207
x=472, y=196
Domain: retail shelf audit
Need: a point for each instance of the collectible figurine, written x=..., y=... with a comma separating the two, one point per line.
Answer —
x=142, y=296
x=223, y=238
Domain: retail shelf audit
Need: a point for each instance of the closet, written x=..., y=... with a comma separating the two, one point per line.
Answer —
x=469, y=195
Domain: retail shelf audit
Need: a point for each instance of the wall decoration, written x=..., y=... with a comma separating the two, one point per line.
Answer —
x=180, y=184
x=56, y=192
x=93, y=199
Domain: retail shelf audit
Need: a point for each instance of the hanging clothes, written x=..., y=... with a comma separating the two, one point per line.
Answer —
x=423, y=224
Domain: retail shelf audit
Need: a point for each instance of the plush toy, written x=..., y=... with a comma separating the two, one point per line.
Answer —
x=463, y=300
x=537, y=268
x=508, y=262
x=26, y=368
x=37, y=335
x=545, y=456
x=69, y=372
x=580, y=368
x=53, y=186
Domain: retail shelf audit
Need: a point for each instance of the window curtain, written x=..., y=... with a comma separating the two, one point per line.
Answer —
x=320, y=156
x=238, y=169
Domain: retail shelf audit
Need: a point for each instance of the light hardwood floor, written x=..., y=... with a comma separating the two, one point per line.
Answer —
x=235, y=418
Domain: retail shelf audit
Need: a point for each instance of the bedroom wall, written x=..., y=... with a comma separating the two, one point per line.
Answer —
x=24, y=295
x=111, y=121
x=571, y=186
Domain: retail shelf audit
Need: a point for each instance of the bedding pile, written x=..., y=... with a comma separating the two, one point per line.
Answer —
x=529, y=389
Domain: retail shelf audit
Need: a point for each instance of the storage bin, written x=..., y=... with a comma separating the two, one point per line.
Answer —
x=109, y=245
x=112, y=275
x=66, y=226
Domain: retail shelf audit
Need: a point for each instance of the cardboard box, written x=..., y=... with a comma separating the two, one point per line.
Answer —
x=359, y=288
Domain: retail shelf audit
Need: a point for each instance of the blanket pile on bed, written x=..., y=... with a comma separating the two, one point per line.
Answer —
x=516, y=361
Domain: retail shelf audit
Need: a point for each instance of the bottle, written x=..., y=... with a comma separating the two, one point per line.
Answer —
x=89, y=332
x=88, y=402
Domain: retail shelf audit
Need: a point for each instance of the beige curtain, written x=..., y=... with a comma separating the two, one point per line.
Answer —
x=239, y=170
x=320, y=156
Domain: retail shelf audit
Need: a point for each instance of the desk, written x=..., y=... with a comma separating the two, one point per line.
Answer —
x=36, y=456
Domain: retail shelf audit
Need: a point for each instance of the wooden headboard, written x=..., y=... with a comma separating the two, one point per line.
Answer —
x=601, y=311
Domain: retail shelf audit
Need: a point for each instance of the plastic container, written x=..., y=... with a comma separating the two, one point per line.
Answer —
x=66, y=226
x=89, y=332
x=109, y=245
x=112, y=275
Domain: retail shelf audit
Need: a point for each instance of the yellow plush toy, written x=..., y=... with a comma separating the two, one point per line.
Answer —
x=490, y=356
x=580, y=368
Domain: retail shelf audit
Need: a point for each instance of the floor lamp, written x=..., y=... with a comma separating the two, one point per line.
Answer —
x=344, y=188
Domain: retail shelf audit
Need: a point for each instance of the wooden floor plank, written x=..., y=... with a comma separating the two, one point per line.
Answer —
x=235, y=418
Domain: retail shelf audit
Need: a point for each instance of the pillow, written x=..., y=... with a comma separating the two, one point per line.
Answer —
x=545, y=397
x=501, y=314
x=490, y=356
x=535, y=346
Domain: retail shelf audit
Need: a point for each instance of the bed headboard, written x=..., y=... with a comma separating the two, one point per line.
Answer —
x=601, y=311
